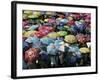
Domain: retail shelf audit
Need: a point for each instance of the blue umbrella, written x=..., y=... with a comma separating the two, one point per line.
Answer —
x=44, y=55
x=57, y=43
x=51, y=49
x=33, y=27
x=25, y=44
x=64, y=21
x=32, y=40
x=46, y=40
x=73, y=48
x=81, y=26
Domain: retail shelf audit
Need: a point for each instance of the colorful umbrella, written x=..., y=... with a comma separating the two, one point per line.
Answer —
x=32, y=40
x=62, y=33
x=70, y=39
x=32, y=55
x=33, y=27
x=46, y=40
x=53, y=35
x=84, y=50
x=28, y=33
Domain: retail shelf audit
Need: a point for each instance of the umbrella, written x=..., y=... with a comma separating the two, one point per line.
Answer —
x=32, y=40
x=73, y=48
x=53, y=35
x=51, y=49
x=36, y=13
x=81, y=38
x=62, y=33
x=28, y=33
x=70, y=18
x=28, y=12
x=33, y=16
x=32, y=55
x=84, y=50
x=80, y=25
x=58, y=43
x=70, y=39
x=44, y=55
x=24, y=16
x=46, y=40
x=64, y=21
x=33, y=27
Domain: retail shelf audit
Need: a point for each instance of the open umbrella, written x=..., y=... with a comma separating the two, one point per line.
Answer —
x=28, y=33
x=28, y=12
x=53, y=35
x=70, y=39
x=31, y=55
x=84, y=50
x=33, y=27
x=62, y=33
x=46, y=40
x=32, y=40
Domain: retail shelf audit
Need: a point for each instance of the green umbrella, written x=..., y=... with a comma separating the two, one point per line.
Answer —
x=62, y=33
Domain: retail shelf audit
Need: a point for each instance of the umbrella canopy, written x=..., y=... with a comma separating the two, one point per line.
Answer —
x=73, y=48
x=84, y=50
x=28, y=12
x=70, y=39
x=51, y=49
x=81, y=38
x=28, y=33
x=32, y=40
x=62, y=33
x=44, y=55
x=24, y=16
x=32, y=55
x=33, y=16
x=53, y=35
x=80, y=25
x=33, y=27
x=36, y=13
x=46, y=40
x=64, y=21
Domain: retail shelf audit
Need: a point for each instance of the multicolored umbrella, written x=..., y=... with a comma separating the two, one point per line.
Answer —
x=32, y=55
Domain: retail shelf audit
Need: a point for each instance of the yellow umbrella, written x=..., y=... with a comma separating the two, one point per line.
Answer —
x=28, y=33
x=36, y=13
x=70, y=18
x=84, y=50
x=53, y=35
x=25, y=16
x=28, y=11
x=46, y=20
x=32, y=16
x=70, y=39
